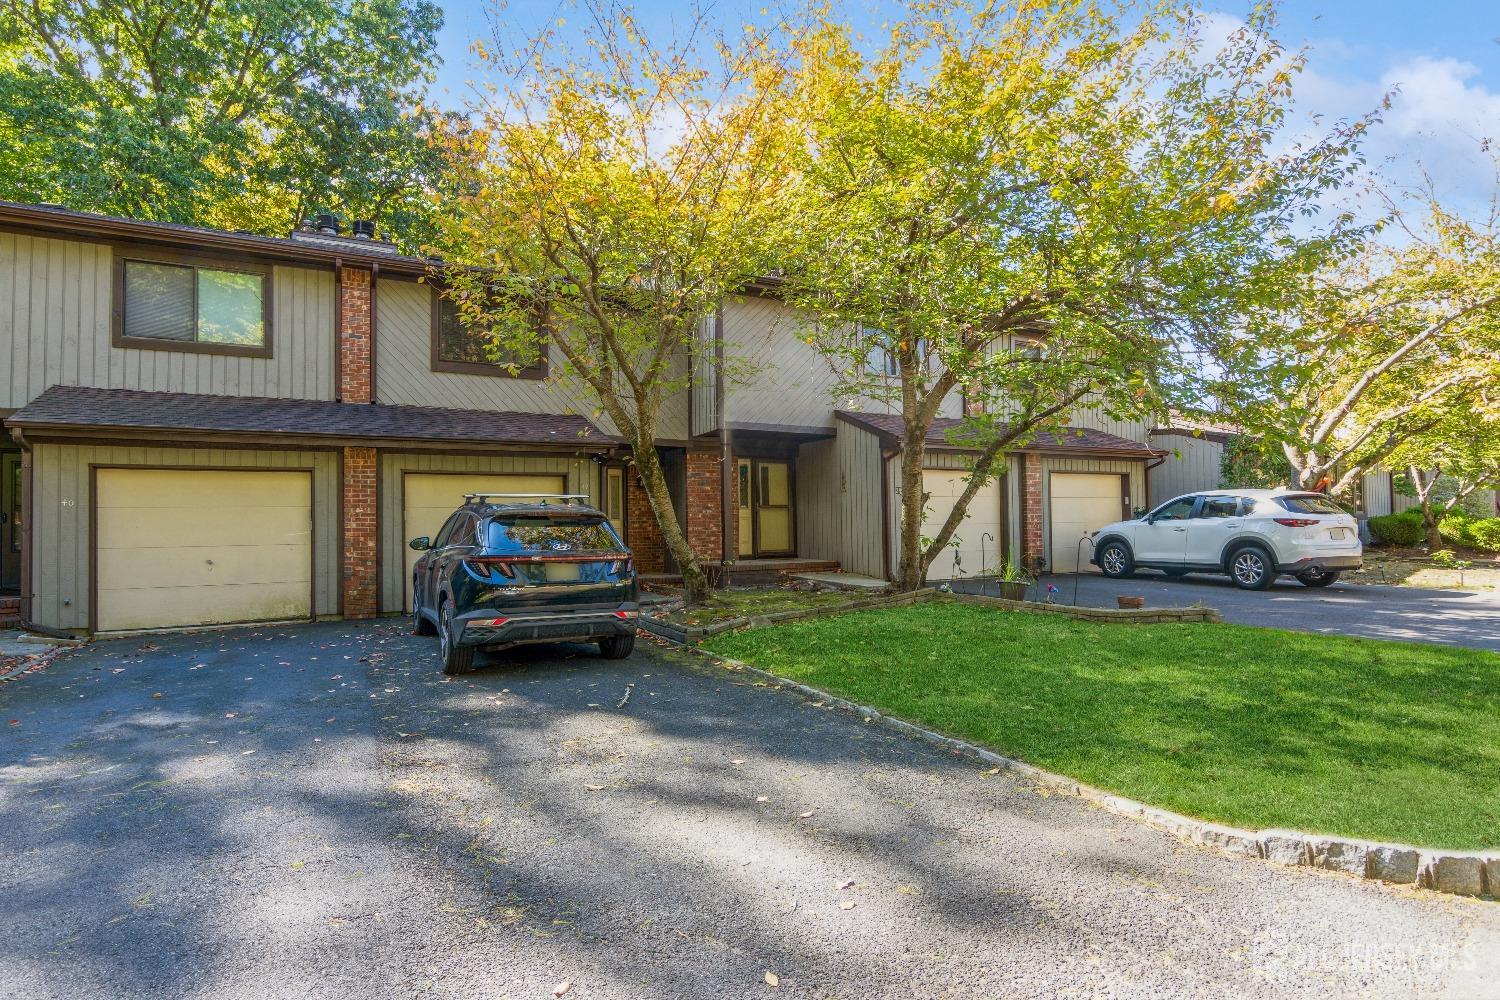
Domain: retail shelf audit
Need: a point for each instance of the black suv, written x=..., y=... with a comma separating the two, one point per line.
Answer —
x=504, y=572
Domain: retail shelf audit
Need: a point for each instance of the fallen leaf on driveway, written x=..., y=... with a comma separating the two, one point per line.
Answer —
x=847, y=904
x=737, y=761
x=846, y=885
x=594, y=788
x=806, y=815
x=772, y=979
x=763, y=798
x=156, y=695
x=561, y=988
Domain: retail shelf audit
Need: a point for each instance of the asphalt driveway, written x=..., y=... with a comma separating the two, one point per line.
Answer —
x=316, y=812
x=1411, y=614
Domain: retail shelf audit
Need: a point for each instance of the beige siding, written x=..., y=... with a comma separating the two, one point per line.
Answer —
x=704, y=418
x=1135, y=469
x=404, y=375
x=838, y=501
x=1130, y=429
x=582, y=477
x=1192, y=464
x=55, y=315
x=1375, y=493
x=788, y=382
x=60, y=545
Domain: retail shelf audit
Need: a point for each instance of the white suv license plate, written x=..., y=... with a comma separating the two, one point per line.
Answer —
x=1338, y=534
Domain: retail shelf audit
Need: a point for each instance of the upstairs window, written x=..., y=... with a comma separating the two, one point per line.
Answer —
x=168, y=305
x=457, y=348
x=881, y=360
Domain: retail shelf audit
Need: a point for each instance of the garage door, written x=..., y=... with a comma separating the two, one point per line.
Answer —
x=983, y=517
x=202, y=547
x=1081, y=503
x=431, y=497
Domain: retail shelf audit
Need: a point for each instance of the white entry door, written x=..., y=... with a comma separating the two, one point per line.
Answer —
x=1082, y=503
x=974, y=547
x=430, y=497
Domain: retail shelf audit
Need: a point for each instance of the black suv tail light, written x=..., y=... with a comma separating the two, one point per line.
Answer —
x=484, y=565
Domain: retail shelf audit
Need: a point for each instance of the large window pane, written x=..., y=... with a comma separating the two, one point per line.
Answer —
x=231, y=308
x=159, y=301
x=457, y=343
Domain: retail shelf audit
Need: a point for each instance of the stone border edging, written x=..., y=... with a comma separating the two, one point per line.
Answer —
x=692, y=635
x=1461, y=873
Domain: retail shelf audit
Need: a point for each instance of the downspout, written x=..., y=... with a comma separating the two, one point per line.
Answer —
x=1156, y=464
x=885, y=513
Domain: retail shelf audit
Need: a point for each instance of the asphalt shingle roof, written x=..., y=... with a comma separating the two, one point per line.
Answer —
x=1082, y=439
x=129, y=409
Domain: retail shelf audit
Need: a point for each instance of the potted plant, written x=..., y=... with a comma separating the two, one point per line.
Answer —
x=1013, y=582
x=1130, y=603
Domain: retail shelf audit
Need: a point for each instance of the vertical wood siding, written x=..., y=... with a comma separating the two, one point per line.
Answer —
x=583, y=477
x=1192, y=465
x=61, y=556
x=404, y=375
x=1375, y=493
x=56, y=304
x=704, y=416
x=1131, y=430
x=838, y=500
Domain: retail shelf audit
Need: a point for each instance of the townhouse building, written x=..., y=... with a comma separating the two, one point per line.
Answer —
x=208, y=427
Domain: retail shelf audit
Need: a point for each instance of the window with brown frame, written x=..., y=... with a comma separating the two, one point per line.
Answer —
x=183, y=305
x=458, y=348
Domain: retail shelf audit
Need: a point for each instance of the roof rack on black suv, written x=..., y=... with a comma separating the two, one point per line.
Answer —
x=568, y=498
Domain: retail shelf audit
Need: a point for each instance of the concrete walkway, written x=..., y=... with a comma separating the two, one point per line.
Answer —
x=317, y=812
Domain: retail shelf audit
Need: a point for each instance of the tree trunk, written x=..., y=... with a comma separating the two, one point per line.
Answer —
x=695, y=582
x=912, y=568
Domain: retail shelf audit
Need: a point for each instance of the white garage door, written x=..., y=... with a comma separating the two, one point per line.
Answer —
x=202, y=547
x=983, y=517
x=1081, y=503
x=432, y=497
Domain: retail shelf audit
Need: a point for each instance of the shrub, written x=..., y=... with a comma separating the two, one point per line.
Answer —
x=1482, y=533
x=1404, y=528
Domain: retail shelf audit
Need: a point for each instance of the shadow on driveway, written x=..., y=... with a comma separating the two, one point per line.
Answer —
x=317, y=811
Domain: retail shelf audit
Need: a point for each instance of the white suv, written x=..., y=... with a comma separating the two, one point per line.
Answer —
x=1252, y=535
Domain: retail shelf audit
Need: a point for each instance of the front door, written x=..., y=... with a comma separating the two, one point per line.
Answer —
x=10, y=521
x=765, y=508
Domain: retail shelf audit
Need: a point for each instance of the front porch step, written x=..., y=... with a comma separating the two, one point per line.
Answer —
x=10, y=611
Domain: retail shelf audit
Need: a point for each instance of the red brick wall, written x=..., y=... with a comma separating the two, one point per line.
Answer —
x=705, y=510
x=1031, y=508
x=642, y=533
x=359, y=574
x=354, y=336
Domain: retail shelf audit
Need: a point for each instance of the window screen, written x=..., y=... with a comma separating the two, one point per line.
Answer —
x=183, y=304
x=457, y=344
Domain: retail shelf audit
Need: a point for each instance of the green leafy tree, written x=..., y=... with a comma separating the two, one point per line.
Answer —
x=1253, y=463
x=1379, y=350
x=1045, y=205
x=611, y=199
x=233, y=113
x=1447, y=464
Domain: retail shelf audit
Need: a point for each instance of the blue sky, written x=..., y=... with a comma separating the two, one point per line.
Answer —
x=1442, y=55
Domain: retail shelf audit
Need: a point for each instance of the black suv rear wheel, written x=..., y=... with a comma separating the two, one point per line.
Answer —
x=617, y=647
x=456, y=659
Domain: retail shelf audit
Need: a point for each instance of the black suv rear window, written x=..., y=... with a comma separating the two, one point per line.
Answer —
x=1310, y=503
x=541, y=534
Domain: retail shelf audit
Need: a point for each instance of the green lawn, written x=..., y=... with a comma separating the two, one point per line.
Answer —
x=1248, y=726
